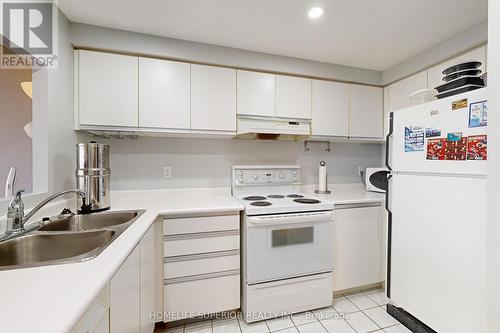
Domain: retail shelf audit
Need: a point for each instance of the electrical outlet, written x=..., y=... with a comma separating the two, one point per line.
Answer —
x=167, y=172
x=360, y=170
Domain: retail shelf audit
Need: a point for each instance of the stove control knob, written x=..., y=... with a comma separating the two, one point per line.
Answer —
x=282, y=176
x=240, y=173
x=255, y=176
x=294, y=173
x=294, y=179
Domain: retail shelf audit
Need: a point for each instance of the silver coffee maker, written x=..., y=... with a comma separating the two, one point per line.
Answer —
x=93, y=175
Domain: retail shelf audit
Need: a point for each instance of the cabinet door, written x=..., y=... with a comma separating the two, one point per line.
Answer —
x=125, y=308
x=293, y=97
x=358, y=247
x=397, y=94
x=256, y=94
x=330, y=108
x=399, y=91
x=366, y=112
x=107, y=89
x=435, y=73
x=164, y=94
x=148, y=280
x=213, y=98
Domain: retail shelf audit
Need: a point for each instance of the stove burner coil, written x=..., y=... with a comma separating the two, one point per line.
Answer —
x=261, y=203
x=307, y=201
x=254, y=198
x=295, y=196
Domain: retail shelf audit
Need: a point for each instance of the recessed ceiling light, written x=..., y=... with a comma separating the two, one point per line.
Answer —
x=315, y=12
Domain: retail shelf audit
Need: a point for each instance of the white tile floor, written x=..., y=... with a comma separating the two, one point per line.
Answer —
x=355, y=313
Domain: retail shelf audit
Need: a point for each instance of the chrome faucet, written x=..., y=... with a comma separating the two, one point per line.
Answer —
x=15, y=214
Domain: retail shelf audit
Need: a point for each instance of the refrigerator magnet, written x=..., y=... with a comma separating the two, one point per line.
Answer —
x=436, y=149
x=459, y=104
x=454, y=136
x=477, y=147
x=478, y=114
x=414, y=138
x=431, y=132
x=456, y=150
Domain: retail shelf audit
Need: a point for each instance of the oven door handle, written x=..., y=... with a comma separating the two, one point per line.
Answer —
x=286, y=219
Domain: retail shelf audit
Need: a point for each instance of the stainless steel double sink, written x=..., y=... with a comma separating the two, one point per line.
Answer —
x=72, y=239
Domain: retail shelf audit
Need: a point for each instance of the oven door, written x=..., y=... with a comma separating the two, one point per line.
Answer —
x=283, y=246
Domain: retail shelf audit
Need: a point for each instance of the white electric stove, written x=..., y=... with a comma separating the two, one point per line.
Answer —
x=287, y=242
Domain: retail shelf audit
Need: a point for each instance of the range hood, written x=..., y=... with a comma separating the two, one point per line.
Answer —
x=270, y=128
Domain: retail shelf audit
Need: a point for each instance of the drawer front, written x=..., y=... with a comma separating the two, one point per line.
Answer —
x=200, y=243
x=195, y=298
x=177, y=226
x=201, y=264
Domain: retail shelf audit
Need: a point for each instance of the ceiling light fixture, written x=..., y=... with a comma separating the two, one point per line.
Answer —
x=315, y=12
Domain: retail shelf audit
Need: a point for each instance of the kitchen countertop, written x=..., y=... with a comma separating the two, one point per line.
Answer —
x=53, y=298
x=346, y=194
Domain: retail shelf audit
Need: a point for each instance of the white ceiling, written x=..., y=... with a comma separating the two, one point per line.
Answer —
x=372, y=34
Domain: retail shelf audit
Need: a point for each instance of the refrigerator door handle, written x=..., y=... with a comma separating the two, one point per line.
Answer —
x=387, y=141
x=389, y=236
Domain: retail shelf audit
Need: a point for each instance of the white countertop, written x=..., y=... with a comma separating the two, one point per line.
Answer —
x=346, y=194
x=53, y=298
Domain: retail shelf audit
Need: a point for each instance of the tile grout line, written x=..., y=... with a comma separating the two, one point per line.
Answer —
x=369, y=318
x=239, y=326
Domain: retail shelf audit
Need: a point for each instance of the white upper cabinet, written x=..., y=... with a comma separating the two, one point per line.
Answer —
x=366, y=112
x=293, y=97
x=399, y=91
x=164, y=94
x=107, y=89
x=436, y=72
x=213, y=98
x=256, y=94
x=330, y=108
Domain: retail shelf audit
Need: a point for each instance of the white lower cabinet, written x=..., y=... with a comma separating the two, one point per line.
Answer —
x=96, y=317
x=132, y=290
x=148, y=280
x=201, y=269
x=125, y=296
x=359, y=246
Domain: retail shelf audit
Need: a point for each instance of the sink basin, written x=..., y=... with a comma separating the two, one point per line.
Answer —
x=73, y=239
x=90, y=222
x=42, y=249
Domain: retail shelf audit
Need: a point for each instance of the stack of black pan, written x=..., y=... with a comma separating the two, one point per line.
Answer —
x=460, y=78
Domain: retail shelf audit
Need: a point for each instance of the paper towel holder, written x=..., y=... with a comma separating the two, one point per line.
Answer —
x=322, y=163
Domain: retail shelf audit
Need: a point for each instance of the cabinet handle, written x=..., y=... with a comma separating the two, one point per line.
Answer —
x=201, y=277
x=357, y=205
x=202, y=256
x=201, y=235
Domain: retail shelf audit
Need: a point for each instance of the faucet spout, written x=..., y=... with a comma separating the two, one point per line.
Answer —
x=16, y=219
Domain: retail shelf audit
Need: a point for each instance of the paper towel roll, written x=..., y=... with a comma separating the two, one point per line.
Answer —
x=322, y=177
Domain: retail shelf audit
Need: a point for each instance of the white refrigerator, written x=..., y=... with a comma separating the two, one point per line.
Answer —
x=436, y=202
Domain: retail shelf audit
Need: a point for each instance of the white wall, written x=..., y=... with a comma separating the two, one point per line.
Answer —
x=85, y=35
x=463, y=41
x=56, y=95
x=493, y=167
x=62, y=137
x=15, y=112
x=138, y=164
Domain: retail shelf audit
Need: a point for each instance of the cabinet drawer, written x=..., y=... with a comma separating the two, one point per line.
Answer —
x=197, y=297
x=190, y=225
x=181, y=245
x=201, y=264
